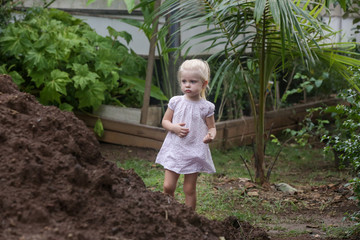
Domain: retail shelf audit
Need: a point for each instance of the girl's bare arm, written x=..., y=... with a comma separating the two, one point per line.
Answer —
x=178, y=128
x=210, y=122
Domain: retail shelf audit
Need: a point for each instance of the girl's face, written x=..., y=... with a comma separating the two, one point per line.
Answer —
x=191, y=85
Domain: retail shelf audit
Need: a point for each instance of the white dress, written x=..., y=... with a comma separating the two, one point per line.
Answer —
x=188, y=154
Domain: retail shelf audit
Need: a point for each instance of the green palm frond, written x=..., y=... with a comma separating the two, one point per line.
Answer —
x=272, y=32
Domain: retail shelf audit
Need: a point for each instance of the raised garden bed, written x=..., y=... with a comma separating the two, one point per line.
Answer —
x=130, y=115
x=229, y=133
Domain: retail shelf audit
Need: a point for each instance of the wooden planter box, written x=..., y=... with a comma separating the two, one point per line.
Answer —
x=229, y=133
x=129, y=115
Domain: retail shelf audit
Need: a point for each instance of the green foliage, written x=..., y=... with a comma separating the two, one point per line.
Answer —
x=146, y=25
x=129, y=4
x=62, y=61
x=307, y=85
x=319, y=81
x=333, y=82
x=139, y=85
x=148, y=172
x=162, y=45
x=346, y=139
x=229, y=94
x=16, y=77
x=99, y=128
x=312, y=130
x=6, y=8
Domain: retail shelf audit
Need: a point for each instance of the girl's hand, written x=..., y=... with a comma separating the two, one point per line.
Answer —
x=177, y=128
x=208, y=138
x=180, y=130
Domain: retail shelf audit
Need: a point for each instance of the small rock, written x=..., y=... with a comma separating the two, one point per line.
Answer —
x=286, y=188
x=253, y=194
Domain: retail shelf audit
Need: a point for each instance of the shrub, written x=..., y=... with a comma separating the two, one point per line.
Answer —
x=346, y=139
x=62, y=61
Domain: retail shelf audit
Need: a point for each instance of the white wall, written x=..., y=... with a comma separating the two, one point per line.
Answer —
x=140, y=44
x=343, y=25
x=78, y=4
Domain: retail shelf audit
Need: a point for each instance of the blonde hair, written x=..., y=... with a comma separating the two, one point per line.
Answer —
x=197, y=65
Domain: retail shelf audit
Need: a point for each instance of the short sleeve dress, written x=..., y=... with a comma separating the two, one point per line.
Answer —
x=188, y=154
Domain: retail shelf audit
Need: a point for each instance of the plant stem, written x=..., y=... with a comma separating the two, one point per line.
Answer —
x=150, y=67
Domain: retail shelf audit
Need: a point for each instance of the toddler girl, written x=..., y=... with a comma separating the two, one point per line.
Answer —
x=190, y=122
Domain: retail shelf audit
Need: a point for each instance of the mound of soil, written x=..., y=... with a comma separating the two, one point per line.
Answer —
x=55, y=184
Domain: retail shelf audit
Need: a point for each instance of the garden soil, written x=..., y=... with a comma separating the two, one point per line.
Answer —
x=55, y=184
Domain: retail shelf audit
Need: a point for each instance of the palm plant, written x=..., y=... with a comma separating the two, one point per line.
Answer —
x=273, y=34
x=146, y=25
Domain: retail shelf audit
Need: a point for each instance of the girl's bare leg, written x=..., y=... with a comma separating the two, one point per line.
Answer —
x=190, y=189
x=170, y=181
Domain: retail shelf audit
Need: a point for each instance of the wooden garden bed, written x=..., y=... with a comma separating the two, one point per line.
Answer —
x=229, y=133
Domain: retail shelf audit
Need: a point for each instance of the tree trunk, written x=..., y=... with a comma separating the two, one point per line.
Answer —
x=260, y=123
x=150, y=68
x=259, y=140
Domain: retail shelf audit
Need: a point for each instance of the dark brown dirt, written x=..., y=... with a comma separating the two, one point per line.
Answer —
x=55, y=184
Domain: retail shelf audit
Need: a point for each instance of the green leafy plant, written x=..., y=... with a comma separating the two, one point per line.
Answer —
x=162, y=44
x=346, y=141
x=6, y=8
x=307, y=85
x=312, y=130
x=63, y=62
x=230, y=96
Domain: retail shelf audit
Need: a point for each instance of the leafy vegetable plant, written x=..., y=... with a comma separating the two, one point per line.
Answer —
x=62, y=61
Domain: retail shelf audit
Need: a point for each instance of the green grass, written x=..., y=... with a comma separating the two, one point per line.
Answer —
x=337, y=232
x=151, y=174
x=218, y=203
